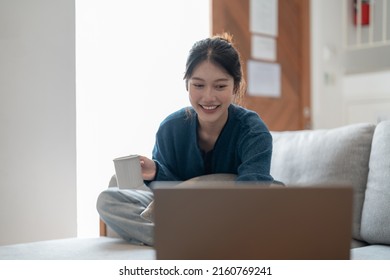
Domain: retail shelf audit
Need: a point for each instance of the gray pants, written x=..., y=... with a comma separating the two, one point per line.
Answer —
x=120, y=209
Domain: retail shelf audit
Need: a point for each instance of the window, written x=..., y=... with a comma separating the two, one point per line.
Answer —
x=130, y=58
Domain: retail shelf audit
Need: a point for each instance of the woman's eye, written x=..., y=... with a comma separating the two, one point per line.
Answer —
x=198, y=85
x=220, y=87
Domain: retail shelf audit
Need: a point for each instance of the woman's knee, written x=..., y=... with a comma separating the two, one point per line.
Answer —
x=103, y=201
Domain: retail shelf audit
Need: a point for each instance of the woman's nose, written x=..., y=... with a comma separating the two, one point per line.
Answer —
x=209, y=93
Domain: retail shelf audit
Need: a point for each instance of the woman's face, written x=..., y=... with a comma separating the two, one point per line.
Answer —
x=210, y=91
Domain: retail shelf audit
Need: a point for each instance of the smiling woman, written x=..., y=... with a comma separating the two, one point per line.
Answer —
x=129, y=61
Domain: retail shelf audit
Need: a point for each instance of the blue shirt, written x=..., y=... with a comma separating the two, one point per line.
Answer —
x=244, y=147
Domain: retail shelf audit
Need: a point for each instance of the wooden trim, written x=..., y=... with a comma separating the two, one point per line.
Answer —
x=306, y=69
x=102, y=228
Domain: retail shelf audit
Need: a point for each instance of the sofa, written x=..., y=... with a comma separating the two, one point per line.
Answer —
x=357, y=155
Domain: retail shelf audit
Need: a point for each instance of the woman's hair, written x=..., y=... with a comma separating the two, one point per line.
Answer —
x=219, y=50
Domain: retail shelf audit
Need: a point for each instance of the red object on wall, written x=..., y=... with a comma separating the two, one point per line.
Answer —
x=365, y=12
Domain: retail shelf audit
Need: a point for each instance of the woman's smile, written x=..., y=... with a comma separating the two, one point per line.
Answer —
x=209, y=108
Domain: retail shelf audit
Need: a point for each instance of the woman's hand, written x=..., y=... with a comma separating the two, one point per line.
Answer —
x=148, y=168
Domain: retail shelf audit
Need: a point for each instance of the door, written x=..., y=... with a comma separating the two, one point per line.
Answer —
x=291, y=111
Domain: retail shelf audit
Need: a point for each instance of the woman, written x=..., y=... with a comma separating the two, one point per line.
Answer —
x=212, y=136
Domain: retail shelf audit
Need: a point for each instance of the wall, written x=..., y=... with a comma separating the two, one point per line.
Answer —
x=37, y=120
x=326, y=60
x=367, y=97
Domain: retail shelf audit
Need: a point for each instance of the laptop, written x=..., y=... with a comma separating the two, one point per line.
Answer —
x=224, y=220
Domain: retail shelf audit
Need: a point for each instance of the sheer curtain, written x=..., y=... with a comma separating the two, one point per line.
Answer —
x=130, y=58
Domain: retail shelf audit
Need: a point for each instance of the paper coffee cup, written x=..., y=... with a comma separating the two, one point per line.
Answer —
x=128, y=172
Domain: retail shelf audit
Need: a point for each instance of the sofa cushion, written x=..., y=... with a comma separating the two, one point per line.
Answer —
x=94, y=248
x=327, y=156
x=376, y=208
x=372, y=252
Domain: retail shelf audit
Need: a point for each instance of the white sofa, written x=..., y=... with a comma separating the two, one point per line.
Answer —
x=358, y=154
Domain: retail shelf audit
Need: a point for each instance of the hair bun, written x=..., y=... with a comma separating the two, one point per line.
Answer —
x=225, y=37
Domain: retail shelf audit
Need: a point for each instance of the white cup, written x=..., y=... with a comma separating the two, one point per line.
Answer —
x=128, y=172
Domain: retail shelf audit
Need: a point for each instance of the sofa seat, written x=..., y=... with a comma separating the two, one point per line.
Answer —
x=99, y=248
x=371, y=252
x=108, y=248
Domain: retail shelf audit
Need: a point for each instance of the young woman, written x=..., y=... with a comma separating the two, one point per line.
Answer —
x=212, y=136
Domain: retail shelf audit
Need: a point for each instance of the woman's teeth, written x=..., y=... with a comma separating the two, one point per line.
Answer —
x=209, y=107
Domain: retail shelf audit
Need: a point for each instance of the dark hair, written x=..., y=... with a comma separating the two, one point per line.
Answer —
x=219, y=50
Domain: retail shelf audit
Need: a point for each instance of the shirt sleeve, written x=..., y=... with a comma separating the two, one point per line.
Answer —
x=256, y=152
x=163, y=156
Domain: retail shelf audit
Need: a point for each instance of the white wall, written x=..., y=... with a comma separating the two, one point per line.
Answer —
x=367, y=97
x=326, y=63
x=37, y=120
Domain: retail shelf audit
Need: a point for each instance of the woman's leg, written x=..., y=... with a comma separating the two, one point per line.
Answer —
x=120, y=209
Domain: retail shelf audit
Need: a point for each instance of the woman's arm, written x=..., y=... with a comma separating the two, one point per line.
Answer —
x=256, y=153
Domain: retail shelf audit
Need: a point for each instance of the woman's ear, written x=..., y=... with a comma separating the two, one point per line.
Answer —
x=186, y=81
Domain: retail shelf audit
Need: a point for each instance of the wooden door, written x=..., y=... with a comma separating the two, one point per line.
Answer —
x=292, y=110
